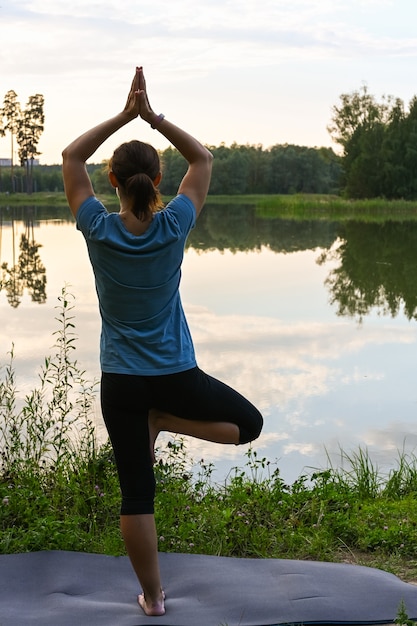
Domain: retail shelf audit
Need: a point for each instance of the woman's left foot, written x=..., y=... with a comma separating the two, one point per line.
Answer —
x=154, y=609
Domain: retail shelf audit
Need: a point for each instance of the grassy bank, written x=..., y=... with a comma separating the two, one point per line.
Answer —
x=59, y=489
x=296, y=206
x=335, y=208
x=35, y=199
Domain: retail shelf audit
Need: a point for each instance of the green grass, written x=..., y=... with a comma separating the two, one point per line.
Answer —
x=306, y=206
x=295, y=206
x=59, y=488
x=44, y=198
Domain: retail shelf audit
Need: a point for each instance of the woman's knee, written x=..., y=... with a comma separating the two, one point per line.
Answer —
x=252, y=428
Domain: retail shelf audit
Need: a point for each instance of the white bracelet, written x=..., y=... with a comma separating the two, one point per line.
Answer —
x=157, y=120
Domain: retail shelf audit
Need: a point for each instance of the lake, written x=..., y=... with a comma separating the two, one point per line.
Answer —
x=314, y=321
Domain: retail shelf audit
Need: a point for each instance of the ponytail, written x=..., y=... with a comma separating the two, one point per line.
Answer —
x=146, y=197
x=136, y=166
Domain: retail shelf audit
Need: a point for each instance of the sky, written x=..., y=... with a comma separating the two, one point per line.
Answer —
x=247, y=71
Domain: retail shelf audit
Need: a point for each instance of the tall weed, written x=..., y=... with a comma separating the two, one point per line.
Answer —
x=54, y=426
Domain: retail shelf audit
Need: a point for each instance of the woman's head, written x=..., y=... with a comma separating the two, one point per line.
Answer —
x=137, y=169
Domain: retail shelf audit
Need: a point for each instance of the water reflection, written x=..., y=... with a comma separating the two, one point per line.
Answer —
x=376, y=268
x=25, y=271
x=273, y=306
x=238, y=228
x=374, y=264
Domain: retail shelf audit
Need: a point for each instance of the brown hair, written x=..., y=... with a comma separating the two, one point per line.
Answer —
x=136, y=165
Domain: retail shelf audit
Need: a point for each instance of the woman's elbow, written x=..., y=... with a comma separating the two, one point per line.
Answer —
x=209, y=159
x=65, y=154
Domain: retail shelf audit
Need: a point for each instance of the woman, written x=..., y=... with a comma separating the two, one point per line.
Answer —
x=150, y=379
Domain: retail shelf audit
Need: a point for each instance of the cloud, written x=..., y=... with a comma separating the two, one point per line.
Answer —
x=305, y=449
x=395, y=436
x=292, y=59
x=82, y=38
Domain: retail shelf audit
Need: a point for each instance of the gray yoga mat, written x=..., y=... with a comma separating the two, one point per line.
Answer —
x=77, y=589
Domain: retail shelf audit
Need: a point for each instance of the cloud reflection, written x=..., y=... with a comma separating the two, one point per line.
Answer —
x=275, y=362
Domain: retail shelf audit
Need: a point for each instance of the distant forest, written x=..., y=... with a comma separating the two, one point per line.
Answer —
x=377, y=159
x=238, y=169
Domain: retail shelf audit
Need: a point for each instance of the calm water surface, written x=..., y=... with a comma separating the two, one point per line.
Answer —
x=313, y=321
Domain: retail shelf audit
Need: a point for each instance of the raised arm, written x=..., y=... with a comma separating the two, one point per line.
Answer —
x=196, y=181
x=77, y=182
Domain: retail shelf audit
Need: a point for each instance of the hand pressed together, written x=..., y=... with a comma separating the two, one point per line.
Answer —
x=137, y=101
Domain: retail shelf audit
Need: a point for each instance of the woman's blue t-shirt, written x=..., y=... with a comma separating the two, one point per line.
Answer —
x=144, y=330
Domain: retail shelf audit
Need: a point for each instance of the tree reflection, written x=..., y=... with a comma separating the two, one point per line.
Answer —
x=375, y=263
x=27, y=271
x=238, y=228
x=377, y=269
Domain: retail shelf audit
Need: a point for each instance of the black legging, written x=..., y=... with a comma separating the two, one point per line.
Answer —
x=194, y=395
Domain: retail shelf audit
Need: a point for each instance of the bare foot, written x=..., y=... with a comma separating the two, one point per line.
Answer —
x=154, y=430
x=155, y=608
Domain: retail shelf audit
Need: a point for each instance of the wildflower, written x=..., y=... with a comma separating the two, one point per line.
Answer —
x=161, y=538
x=5, y=501
x=191, y=545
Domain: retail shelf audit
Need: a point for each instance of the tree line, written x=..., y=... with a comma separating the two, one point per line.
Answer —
x=249, y=169
x=237, y=169
x=379, y=144
x=378, y=141
x=25, y=126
